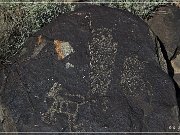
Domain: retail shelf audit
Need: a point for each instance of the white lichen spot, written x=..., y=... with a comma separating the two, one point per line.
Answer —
x=36, y=96
x=69, y=65
x=66, y=48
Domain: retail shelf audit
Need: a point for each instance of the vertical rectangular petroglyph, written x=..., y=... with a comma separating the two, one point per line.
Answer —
x=134, y=86
x=102, y=57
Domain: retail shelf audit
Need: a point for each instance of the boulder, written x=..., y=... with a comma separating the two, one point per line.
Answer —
x=165, y=24
x=93, y=70
x=176, y=66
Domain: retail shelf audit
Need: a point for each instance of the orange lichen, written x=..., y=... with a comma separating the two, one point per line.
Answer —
x=58, y=49
x=40, y=40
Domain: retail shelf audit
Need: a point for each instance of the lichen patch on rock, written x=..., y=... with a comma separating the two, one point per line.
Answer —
x=62, y=49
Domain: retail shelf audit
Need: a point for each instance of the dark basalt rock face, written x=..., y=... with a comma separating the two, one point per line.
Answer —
x=95, y=69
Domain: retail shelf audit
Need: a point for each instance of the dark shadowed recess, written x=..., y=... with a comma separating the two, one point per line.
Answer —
x=170, y=70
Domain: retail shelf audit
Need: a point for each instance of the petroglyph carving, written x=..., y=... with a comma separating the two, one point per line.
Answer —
x=131, y=77
x=64, y=103
x=102, y=57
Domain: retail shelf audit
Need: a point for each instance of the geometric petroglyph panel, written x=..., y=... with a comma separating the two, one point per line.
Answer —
x=65, y=103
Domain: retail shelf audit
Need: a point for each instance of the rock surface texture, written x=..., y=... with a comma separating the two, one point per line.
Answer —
x=166, y=25
x=95, y=69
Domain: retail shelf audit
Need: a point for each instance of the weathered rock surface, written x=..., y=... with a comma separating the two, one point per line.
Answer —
x=95, y=69
x=165, y=24
x=176, y=66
